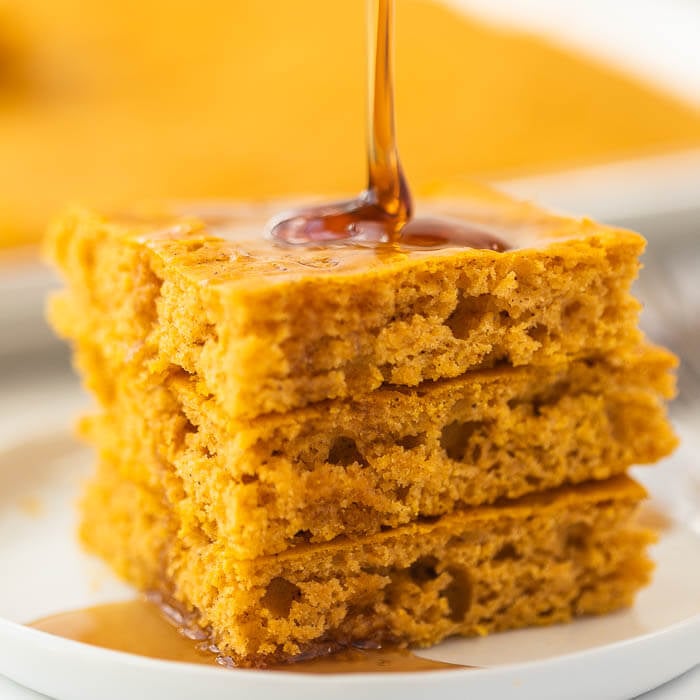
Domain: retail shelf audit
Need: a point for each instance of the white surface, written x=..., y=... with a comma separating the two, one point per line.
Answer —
x=655, y=40
x=624, y=189
x=24, y=283
x=44, y=571
x=686, y=687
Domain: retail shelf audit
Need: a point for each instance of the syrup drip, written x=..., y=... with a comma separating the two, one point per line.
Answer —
x=383, y=213
x=144, y=628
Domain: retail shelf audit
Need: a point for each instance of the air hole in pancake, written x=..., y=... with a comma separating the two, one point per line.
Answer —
x=467, y=315
x=410, y=442
x=506, y=552
x=458, y=594
x=423, y=569
x=455, y=438
x=279, y=597
x=577, y=536
x=344, y=452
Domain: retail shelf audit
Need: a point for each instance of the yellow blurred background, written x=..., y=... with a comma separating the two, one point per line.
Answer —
x=120, y=100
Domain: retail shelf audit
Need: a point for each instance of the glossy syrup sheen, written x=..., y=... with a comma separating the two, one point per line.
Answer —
x=141, y=627
x=384, y=212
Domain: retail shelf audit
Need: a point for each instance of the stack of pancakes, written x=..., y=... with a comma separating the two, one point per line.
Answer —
x=308, y=448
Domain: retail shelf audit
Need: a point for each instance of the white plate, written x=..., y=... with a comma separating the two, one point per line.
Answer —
x=44, y=571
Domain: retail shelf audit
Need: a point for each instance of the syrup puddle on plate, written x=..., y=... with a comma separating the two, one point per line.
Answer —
x=140, y=627
x=655, y=518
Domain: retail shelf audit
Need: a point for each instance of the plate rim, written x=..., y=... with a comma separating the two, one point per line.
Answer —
x=691, y=624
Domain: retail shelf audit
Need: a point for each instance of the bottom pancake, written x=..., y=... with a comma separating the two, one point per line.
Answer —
x=539, y=560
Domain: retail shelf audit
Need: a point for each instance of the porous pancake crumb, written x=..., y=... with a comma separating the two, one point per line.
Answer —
x=307, y=448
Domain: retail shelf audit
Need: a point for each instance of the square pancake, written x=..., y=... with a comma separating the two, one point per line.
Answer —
x=267, y=328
